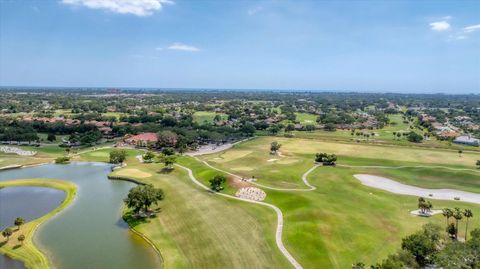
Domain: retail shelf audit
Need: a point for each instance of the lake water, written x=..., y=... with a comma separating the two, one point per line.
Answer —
x=90, y=233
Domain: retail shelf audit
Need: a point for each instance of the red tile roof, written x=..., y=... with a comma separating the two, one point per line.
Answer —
x=151, y=137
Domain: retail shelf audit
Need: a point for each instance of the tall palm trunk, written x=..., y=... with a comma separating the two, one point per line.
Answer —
x=456, y=229
x=466, y=230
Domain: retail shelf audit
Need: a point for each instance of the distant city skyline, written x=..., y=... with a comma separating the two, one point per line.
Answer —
x=349, y=46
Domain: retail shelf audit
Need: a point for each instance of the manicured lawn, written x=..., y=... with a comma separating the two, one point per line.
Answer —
x=102, y=155
x=196, y=229
x=298, y=155
x=339, y=223
x=382, y=136
x=28, y=252
x=207, y=116
x=306, y=118
x=343, y=222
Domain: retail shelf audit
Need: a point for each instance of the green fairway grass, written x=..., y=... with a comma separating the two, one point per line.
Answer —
x=195, y=229
x=306, y=118
x=342, y=221
x=339, y=223
x=28, y=252
x=298, y=156
x=207, y=116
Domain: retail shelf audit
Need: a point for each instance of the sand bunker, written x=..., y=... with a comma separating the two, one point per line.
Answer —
x=251, y=193
x=272, y=160
x=399, y=188
x=132, y=172
x=243, y=168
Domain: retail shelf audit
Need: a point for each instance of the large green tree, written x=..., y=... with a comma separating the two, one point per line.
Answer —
x=274, y=147
x=216, y=182
x=118, y=156
x=142, y=197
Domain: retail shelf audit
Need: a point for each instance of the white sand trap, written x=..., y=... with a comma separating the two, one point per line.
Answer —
x=399, y=188
x=272, y=160
x=133, y=172
x=251, y=193
x=426, y=214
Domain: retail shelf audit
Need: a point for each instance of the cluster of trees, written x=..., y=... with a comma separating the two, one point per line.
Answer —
x=457, y=214
x=17, y=131
x=141, y=197
x=88, y=138
x=7, y=232
x=167, y=157
x=424, y=206
x=414, y=137
x=429, y=248
x=326, y=159
x=216, y=183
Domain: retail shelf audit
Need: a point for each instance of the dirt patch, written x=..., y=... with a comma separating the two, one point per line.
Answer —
x=242, y=168
x=237, y=183
x=132, y=172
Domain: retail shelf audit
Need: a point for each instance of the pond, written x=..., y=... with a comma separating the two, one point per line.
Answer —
x=90, y=233
x=26, y=202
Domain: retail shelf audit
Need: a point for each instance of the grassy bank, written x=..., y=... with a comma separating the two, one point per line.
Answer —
x=28, y=252
x=195, y=229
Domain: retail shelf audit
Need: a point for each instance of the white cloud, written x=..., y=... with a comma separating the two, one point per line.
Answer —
x=135, y=7
x=183, y=47
x=254, y=10
x=472, y=28
x=440, y=26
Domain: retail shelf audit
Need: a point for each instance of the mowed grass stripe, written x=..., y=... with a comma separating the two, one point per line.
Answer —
x=198, y=230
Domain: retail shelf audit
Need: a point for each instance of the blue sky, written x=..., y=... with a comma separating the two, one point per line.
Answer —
x=401, y=46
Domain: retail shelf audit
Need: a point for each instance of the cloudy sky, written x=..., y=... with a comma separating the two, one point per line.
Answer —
x=407, y=46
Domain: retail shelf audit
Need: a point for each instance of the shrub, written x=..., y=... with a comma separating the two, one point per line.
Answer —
x=62, y=160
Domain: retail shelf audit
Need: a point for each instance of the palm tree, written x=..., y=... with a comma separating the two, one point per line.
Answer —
x=447, y=213
x=7, y=233
x=21, y=238
x=458, y=215
x=19, y=222
x=468, y=214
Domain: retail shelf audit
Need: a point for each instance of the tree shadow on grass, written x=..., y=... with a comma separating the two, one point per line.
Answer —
x=133, y=220
x=17, y=246
x=3, y=243
x=165, y=170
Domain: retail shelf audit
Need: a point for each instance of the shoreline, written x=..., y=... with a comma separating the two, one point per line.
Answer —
x=30, y=248
x=109, y=177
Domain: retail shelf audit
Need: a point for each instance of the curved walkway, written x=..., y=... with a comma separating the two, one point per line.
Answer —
x=404, y=189
x=279, y=230
x=304, y=178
